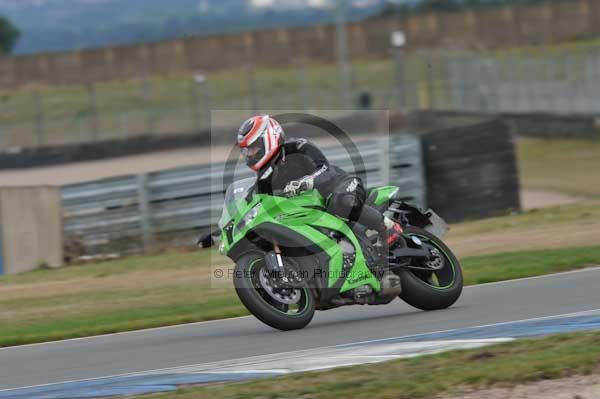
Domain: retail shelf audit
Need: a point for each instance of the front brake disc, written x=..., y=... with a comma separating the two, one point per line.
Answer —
x=286, y=296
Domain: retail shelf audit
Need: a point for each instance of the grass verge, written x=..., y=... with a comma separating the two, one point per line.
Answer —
x=151, y=291
x=563, y=165
x=513, y=265
x=454, y=372
x=566, y=226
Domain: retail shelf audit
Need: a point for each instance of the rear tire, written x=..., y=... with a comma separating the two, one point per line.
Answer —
x=422, y=295
x=257, y=301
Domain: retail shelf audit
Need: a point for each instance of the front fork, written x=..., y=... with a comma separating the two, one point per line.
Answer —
x=274, y=261
x=281, y=277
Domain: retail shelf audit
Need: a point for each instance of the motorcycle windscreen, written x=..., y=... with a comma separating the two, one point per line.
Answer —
x=235, y=200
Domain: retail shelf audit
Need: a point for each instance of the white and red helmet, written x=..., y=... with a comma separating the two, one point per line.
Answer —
x=260, y=139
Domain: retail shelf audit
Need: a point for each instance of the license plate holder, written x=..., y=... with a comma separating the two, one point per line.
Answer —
x=438, y=226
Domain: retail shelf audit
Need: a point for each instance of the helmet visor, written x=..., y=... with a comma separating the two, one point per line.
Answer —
x=254, y=152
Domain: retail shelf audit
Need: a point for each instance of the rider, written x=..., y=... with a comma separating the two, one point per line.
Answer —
x=296, y=165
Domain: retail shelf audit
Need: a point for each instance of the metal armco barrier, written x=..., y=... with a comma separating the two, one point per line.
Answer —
x=136, y=212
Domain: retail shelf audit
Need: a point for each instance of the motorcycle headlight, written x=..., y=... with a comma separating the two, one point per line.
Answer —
x=248, y=217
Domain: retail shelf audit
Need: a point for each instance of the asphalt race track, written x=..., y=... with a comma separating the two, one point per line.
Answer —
x=201, y=343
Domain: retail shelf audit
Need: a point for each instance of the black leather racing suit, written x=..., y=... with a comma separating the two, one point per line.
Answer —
x=344, y=193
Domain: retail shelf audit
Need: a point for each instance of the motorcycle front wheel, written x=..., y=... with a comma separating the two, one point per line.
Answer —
x=283, y=309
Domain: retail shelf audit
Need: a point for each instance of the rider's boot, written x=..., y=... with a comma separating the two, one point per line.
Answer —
x=393, y=233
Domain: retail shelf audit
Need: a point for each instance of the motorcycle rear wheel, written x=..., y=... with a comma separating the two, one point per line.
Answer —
x=434, y=290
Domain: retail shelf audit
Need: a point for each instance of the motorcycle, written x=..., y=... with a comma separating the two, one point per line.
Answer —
x=292, y=257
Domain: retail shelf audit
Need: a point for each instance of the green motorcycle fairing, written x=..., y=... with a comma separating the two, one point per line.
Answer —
x=382, y=194
x=302, y=214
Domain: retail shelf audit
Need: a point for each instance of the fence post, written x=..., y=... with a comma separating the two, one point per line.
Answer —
x=430, y=63
x=201, y=101
x=206, y=104
x=195, y=105
x=251, y=74
x=93, y=109
x=342, y=54
x=38, y=105
x=572, y=80
x=301, y=67
x=147, y=95
x=384, y=160
x=124, y=119
x=399, y=77
x=144, y=210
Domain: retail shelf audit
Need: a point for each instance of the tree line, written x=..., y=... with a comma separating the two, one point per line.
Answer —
x=451, y=5
x=9, y=34
x=154, y=24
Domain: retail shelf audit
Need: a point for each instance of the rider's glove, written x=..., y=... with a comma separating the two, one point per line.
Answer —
x=296, y=187
x=208, y=240
x=205, y=241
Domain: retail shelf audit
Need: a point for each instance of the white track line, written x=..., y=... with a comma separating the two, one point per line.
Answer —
x=296, y=352
x=199, y=323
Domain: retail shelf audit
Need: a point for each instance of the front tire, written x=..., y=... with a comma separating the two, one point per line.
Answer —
x=263, y=306
x=432, y=291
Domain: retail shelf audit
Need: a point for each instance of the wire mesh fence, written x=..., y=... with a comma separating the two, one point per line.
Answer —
x=554, y=81
x=557, y=80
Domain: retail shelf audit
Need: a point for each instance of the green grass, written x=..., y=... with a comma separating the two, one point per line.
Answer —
x=583, y=213
x=566, y=226
x=508, y=266
x=564, y=165
x=149, y=291
x=126, y=265
x=119, y=321
x=504, y=365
